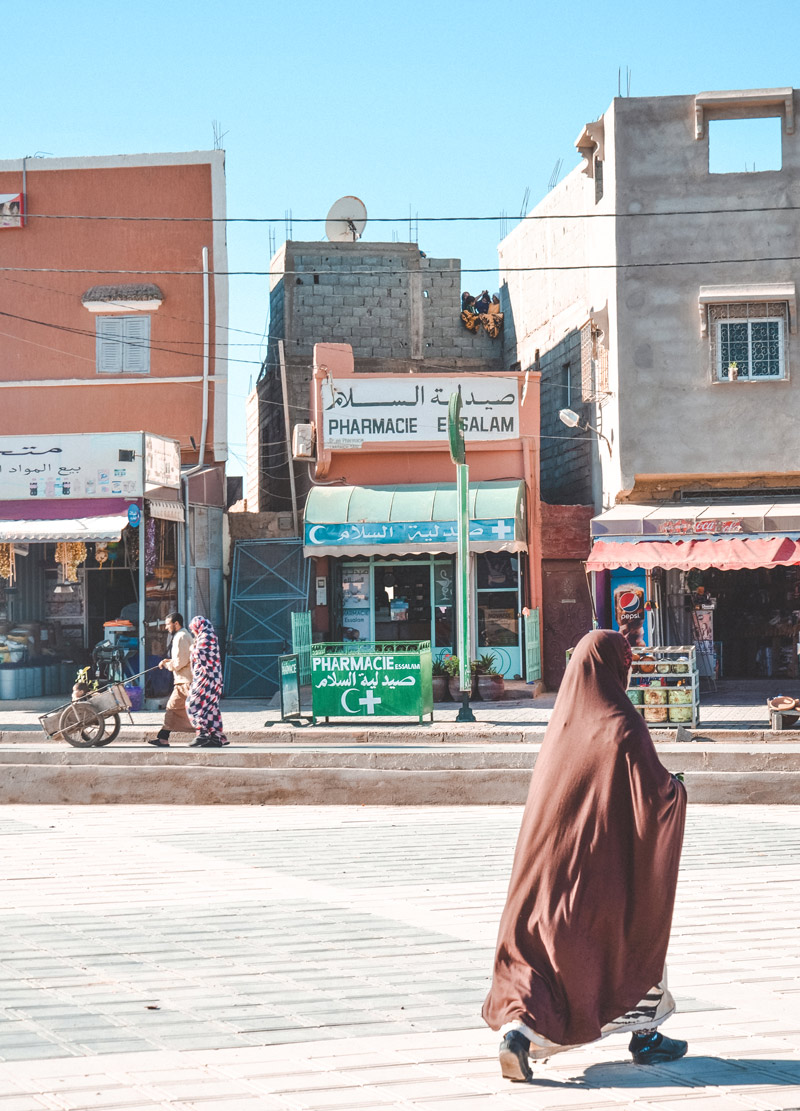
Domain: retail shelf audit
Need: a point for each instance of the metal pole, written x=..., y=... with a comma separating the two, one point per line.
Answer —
x=284, y=390
x=142, y=592
x=462, y=563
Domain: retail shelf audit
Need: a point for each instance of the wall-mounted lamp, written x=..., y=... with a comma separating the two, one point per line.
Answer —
x=571, y=419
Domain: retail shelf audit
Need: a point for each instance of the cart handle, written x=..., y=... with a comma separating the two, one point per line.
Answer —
x=132, y=677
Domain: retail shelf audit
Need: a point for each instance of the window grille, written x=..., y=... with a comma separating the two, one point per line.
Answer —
x=750, y=333
x=594, y=364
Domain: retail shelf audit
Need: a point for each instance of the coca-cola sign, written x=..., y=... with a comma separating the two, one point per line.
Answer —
x=686, y=527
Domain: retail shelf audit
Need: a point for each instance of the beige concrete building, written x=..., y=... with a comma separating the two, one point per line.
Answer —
x=658, y=299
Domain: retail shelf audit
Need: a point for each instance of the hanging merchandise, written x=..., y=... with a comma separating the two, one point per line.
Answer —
x=101, y=553
x=70, y=554
x=150, y=546
x=8, y=568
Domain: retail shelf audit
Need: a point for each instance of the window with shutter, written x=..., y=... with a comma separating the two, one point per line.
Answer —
x=123, y=344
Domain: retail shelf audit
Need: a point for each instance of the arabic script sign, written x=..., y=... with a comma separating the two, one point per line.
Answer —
x=371, y=684
x=360, y=411
x=407, y=532
x=36, y=467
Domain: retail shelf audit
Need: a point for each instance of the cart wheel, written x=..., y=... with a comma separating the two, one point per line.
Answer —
x=112, y=723
x=81, y=725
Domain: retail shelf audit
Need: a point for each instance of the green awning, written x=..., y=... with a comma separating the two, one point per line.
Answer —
x=406, y=520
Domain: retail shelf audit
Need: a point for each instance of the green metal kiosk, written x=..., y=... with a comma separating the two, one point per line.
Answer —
x=368, y=679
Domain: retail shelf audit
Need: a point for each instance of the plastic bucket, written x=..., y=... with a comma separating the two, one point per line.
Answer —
x=8, y=682
x=67, y=676
x=136, y=695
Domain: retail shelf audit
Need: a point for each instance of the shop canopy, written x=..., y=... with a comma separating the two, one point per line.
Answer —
x=75, y=528
x=411, y=520
x=730, y=554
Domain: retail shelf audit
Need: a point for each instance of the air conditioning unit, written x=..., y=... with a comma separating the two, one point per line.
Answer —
x=303, y=441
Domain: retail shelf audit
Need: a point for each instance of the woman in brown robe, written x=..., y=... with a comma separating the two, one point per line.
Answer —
x=584, y=933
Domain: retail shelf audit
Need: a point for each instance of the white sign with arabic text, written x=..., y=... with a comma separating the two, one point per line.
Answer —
x=360, y=411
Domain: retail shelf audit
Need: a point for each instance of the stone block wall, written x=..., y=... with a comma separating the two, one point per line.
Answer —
x=566, y=453
x=396, y=308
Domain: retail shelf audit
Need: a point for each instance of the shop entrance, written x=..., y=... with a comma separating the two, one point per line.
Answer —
x=752, y=617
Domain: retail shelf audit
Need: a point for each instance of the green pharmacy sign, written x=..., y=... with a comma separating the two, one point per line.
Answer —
x=371, y=680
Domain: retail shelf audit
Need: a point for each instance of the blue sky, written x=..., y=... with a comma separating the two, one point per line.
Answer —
x=441, y=108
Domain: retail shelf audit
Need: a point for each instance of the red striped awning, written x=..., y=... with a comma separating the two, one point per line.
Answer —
x=735, y=554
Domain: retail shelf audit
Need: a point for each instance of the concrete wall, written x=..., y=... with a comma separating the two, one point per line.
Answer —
x=674, y=418
x=47, y=361
x=550, y=290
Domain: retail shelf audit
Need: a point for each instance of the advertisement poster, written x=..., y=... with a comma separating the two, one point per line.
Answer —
x=628, y=596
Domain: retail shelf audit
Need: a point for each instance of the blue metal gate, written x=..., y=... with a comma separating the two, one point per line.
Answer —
x=270, y=579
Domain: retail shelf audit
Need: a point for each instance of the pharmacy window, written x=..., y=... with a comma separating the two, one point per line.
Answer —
x=123, y=344
x=748, y=341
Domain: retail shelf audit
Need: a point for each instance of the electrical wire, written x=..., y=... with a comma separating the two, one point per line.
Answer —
x=471, y=219
x=396, y=273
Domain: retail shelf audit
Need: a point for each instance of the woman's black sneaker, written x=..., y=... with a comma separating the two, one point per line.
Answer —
x=655, y=1049
x=514, y=1057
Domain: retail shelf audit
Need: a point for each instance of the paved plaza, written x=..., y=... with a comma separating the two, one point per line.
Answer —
x=297, y=959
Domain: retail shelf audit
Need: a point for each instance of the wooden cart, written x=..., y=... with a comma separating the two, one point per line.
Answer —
x=90, y=722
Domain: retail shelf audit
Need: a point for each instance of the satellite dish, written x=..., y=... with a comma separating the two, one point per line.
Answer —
x=346, y=220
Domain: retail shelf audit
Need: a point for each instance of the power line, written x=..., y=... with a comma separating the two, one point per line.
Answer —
x=162, y=315
x=530, y=217
x=396, y=273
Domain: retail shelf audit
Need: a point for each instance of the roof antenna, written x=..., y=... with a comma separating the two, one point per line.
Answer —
x=219, y=134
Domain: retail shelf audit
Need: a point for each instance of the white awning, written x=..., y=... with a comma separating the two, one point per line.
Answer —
x=166, y=510
x=77, y=528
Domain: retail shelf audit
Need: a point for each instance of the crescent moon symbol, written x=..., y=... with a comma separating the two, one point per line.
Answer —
x=344, y=699
x=311, y=537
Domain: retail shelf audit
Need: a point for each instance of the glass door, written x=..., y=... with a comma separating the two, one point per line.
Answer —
x=498, y=610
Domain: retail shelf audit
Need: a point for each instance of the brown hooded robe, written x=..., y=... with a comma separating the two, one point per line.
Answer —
x=584, y=933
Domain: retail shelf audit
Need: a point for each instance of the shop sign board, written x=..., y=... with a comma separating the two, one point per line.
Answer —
x=106, y=465
x=289, y=673
x=162, y=461
x=373, y=680
x=681, y=526
x=403, y=410
x=408, y=532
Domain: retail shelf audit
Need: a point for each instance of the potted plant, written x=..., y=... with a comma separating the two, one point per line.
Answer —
x=450, y=664
x=440, y=677
x=490, y=682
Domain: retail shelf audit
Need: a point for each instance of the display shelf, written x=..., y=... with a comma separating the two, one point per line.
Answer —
x=666, y=669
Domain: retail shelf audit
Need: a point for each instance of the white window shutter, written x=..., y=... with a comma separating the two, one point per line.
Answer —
x=109, y=345
x=136, y=352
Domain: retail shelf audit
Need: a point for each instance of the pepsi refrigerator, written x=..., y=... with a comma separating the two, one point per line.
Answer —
x=628, y=598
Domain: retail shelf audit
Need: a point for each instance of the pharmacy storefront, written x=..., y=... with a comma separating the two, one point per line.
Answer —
x=391, y=564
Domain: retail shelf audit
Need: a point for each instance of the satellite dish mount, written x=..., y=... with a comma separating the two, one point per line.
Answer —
x=346, y=220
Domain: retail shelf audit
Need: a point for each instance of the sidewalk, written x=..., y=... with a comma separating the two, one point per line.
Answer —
x=309, y=959
x=738, y=705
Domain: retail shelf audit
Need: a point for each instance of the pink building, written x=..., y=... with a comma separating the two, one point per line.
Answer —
x=114, y=323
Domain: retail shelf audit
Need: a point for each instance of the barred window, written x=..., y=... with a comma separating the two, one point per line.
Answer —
x=594, y=364
x=748, y=338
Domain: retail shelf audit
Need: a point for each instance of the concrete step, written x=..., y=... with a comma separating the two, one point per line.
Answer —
x=399, y=775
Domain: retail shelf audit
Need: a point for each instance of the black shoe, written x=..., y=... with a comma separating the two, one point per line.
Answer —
x=514, y=1057
x=157, y=741
x=213, y=742
x=200, y=741
x=655, y=1049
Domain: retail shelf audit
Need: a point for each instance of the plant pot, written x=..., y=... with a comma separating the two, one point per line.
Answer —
x=440, y=692
x=491, y=688
x=454, y=686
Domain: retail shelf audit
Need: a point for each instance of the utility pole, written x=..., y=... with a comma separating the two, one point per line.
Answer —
x=458, y=454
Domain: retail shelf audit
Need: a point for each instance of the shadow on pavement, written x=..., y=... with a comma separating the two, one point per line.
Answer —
x=690, y=1072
